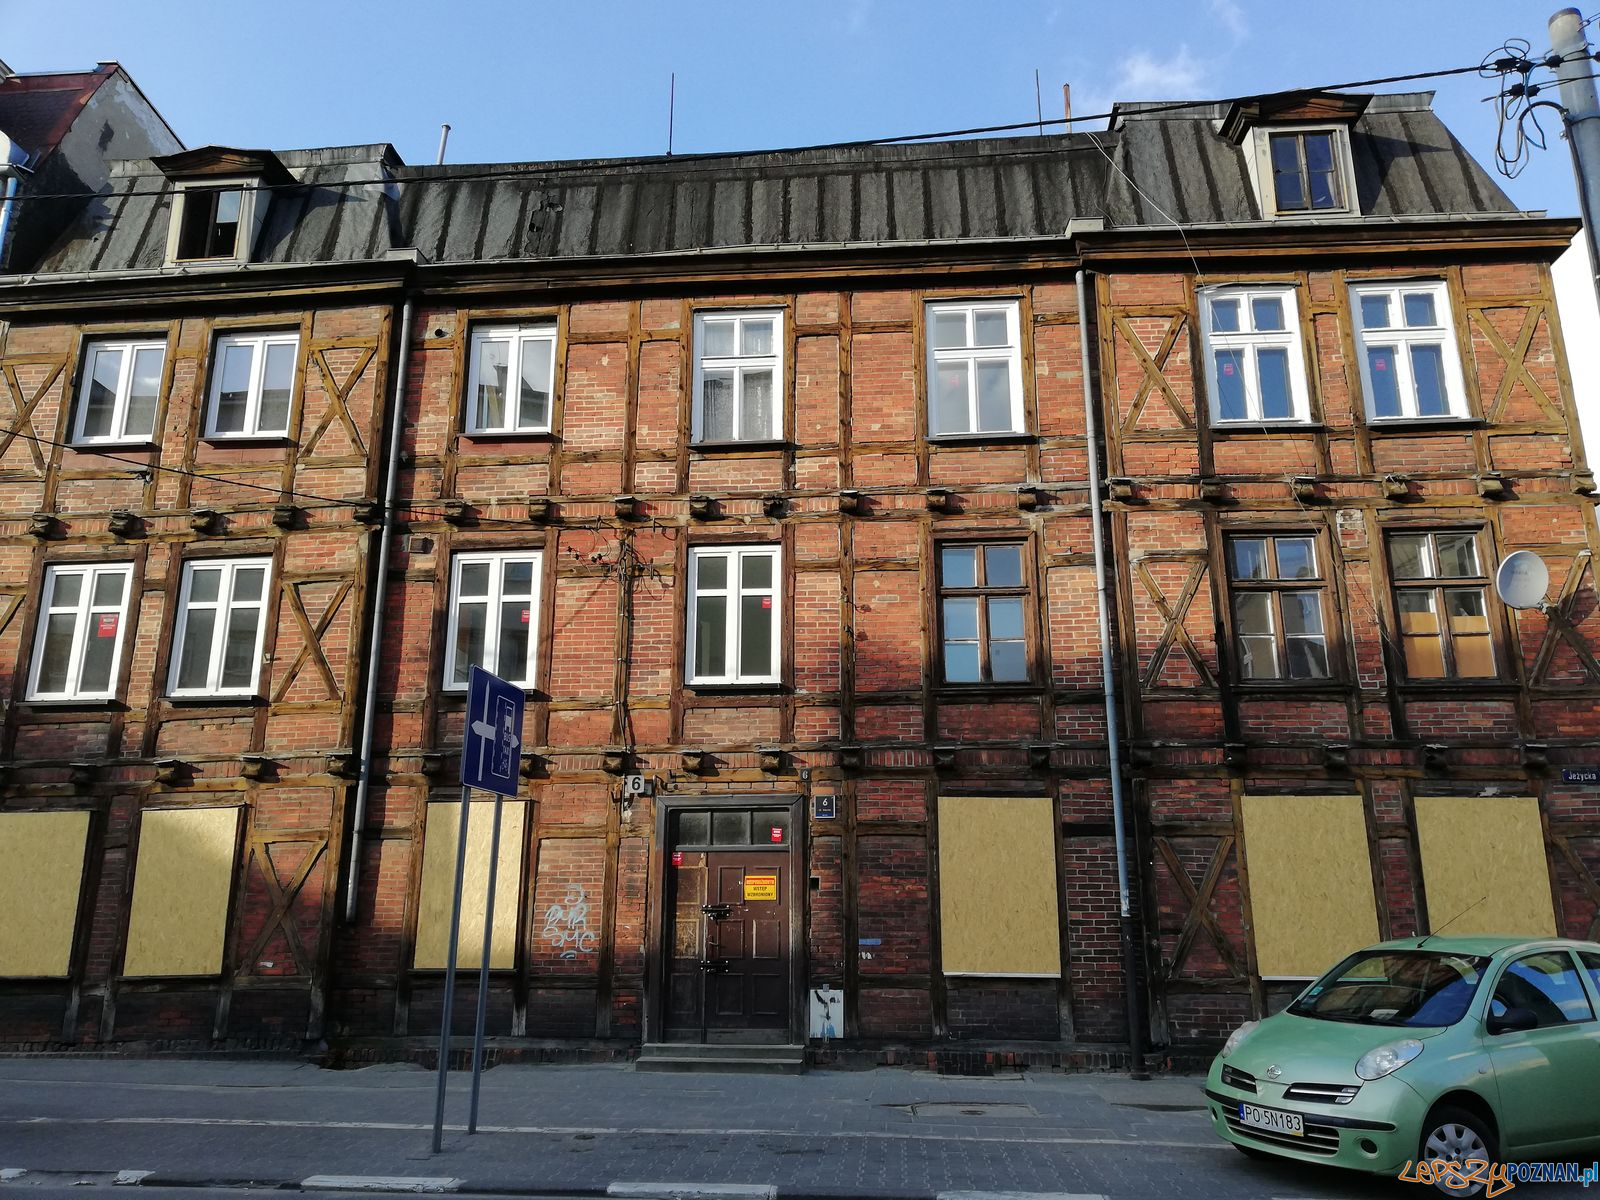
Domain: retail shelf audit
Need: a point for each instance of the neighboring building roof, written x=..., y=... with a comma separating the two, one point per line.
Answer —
x=37, y=110
x=1153, y=166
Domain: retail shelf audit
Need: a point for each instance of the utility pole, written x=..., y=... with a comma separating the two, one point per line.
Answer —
x=1581, y=114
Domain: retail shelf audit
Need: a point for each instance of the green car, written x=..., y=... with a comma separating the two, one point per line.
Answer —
x=1434, y=1049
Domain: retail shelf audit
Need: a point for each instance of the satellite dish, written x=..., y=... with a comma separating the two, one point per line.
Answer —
x=1522, y=579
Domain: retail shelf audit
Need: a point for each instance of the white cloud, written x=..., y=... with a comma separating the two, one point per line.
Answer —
x=1143, y=76
x=1231, y=17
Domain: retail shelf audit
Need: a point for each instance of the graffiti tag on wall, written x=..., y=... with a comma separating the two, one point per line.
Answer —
x=566, y=924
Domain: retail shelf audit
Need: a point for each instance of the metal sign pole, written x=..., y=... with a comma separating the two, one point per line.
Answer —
x=450, y=971
x=483, y=967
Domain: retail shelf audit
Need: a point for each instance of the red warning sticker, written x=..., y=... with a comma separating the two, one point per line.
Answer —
x=677, y=858
x=107, y=626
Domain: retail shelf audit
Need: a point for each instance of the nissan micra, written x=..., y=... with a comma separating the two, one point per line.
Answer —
x=1435, y=1049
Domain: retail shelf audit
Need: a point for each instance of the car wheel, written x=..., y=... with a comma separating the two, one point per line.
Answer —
x=1454, y=1135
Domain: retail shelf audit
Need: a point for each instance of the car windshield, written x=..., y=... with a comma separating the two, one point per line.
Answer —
x=1413, y=988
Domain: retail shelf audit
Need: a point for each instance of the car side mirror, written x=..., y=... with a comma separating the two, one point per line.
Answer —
x=1513, y=1020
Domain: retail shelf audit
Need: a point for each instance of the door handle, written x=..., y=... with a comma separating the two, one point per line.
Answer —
x=717, y=912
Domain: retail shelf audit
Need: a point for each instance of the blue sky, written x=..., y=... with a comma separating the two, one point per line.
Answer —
x=560, y=79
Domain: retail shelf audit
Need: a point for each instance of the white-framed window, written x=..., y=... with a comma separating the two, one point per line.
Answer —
x=118, y=395
x=974, y=367
x=501, y=354
x=734, y=624
x=252, y=385
x=738, y=369
x=1410, y=367
x=79, y=643
x=222, y=609
x=1255, y=366
x=494, y=616
x=1303, y=171
x=208, y=221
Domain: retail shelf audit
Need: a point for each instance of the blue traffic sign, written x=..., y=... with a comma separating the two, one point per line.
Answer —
x=491, y=755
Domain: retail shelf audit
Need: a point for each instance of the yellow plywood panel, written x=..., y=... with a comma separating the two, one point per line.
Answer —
x=1488, y=849
x=1311, y=899
x=997, y=886
x=41, y=878
x=181, y=884
x=438, y=879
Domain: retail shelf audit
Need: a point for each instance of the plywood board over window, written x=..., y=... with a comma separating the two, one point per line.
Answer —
x=997, y=887
x=41, y=878
x=438, y=880
x=1484, y=868
x=1311, y=899
x=182, y=881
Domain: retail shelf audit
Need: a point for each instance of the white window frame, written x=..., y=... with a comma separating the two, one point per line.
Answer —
x=251, y=213
x=738, y=364
x=130, y=349
x=86, y=613
x=1248, y=342
x=225, y=605
x=1260, y=166
x=971, y=355
x=734, y=591
x=515, y=337
x=1403, y=338
x=493, y=600
x=260, y=344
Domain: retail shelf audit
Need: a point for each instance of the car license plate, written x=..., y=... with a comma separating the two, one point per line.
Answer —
x=1271, y=1119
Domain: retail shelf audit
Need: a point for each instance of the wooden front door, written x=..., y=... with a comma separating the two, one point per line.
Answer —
x=729, y=967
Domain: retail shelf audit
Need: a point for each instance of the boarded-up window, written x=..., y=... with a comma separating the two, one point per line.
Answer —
x=1310, y=872
x=41, y=876
x=438, y=884
x=181, y=884
x=1488, y=849
x=997, y=886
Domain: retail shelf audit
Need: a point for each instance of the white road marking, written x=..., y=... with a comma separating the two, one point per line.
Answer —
x=127, y=1178
x=380, y=1183
x=600, y=1130
x=9, y=1174
x=1020, y=1196
x=693, y=1191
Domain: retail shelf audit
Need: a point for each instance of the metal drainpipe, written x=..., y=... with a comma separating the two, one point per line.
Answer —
x=1130, y=944
x=397, y=419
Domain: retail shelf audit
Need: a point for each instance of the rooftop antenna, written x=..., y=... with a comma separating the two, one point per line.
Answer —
x=1066, y=102
x=444, y=136
x=1038, y=100
x=672, y=104
x=1452, y=921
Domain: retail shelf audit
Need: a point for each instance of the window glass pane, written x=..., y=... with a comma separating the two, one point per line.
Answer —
x=194, y=661
x=68, y=589
x=1005, y=618
x=277, y=385
x=959, y=566
x=472, y=621
x=755, y=570
x=1249, y=557
x=1008, y=662
x=1457, y=554
x=1258, y=657
x=56, y=653
x=757, y=337
x=108, y=589
x=239, y=649
x=1297, y=558
x=204, y=583
x=1302, y=613
x=146, y=387
x=961, y=619
x=716, y=406
x=234, y=392
x=1475, y=657
x=712, y=571
x=99, y=648
x=1229, y=377
x=1385, y=390
x=1408, y=555
x=247, y=583
x=1252, y=612
x=1419, y=309
x=475, y=579
x=961, y=662
x=1308, y=658
x=755, y=636
x=1319, y=170
x=1272, y=370
x=1002, y=566
x=716, y=338
x=533, y=410
x=1591, y=964
x=1427, y=376
x=516, y=577
x=730, y=828
x=516, y=626
x=1319, y=151
x=1419, y=628
x=1324, y=189
x=951, y=411
x=710, y=636
x=1225, y=316
x=1548, y=985
x=493, y=367
x=1466, y=610
x=990, y=328
x=1286, y=172
x=694, y=829
x=756, y=407
x=1375, y=311
x=994, y=397
x=228, y=204
x=1267, y=313
x=104, y=372
x=766, y=822
x=949, y=330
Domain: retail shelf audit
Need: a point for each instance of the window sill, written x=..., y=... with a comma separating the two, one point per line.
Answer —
x=723, y=689
x=1223, y=427
x=458, y=692
x=509, y=435
x=70, y=703
x=945, y=691
x=980, y=439
x=1318, y=214
x=736, y=447
x=100, y=447
x=1277, y=687
x=246, y=439
x=1496, y=686
x=1411, y=424
x=218, y=700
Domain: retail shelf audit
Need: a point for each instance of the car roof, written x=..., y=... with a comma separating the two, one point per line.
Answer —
x=1483, y=945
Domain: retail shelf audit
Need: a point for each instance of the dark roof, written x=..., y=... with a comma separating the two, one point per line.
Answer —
x=37, y=110
x=1151, y=168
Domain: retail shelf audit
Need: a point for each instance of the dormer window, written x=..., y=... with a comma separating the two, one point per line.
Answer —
x=208, y=222
x=1297, y=152
x=219, y=203
x=1305, y=171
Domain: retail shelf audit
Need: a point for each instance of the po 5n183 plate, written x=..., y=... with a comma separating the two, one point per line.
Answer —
x=1272, y=1120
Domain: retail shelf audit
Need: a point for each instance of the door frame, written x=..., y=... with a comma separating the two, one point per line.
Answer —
x=660, y=912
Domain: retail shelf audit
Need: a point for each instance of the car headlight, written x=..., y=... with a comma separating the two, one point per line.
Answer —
x=1237, y=1036
x=1386, y=1060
